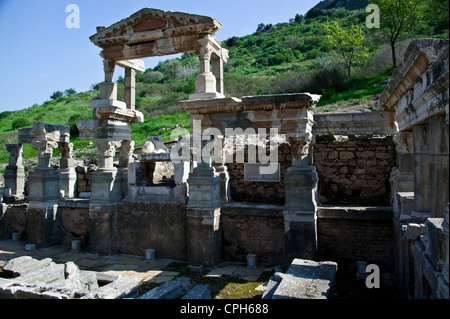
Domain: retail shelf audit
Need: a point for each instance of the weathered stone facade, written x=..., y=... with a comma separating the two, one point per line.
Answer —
x=343, y=187
x=354, y=170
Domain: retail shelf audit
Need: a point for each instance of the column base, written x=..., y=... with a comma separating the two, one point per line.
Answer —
x=300, y=236
x=204, y=236
x=103, y=232
x=43, y=226
x=106, y=187
x=44, y=186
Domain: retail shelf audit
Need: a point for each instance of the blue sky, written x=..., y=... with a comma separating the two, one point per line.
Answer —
x=40, y=55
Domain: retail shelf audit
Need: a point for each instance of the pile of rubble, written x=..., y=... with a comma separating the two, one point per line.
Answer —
x=29, y=278
x=44, y=279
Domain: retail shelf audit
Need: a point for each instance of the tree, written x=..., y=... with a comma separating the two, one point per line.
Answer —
x=349, y=45
x=56, y=95
x=70, y=92
x=398, y=17
x=299, y=18
x=172, y=68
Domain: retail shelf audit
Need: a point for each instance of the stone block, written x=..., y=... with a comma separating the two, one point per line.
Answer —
x=24, y=265
x=435, y=242
x=47, y=275
x=198, y=292
x=305, y=279
x=119, y=288
x=168, y=290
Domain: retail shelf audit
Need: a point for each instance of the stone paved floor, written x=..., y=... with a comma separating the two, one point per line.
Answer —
x=126, y=265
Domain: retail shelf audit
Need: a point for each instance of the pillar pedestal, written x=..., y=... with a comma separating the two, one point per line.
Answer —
x=203, y=216
x=15, y=173
x=43, y=198
x=300, y=214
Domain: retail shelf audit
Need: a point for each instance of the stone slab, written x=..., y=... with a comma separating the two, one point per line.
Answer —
x=305, y=279
x=168, y=290
x=198, y=292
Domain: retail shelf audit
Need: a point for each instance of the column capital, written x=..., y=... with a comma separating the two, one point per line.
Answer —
x=108, y=67
x=107, y=148
x=15, y=151
x=44, y=148
x=66, y=149
x=299, y=143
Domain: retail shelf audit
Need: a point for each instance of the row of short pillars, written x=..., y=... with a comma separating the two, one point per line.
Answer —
x=150, y=254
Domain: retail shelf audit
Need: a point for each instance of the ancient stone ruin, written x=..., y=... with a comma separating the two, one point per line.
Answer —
x=260, y=175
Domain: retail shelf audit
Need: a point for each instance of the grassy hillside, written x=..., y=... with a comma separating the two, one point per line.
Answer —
x=287, y=57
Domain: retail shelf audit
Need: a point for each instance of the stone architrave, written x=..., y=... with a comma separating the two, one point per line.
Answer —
x=15, y=173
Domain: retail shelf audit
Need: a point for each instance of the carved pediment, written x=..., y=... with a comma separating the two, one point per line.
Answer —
x=154, y=28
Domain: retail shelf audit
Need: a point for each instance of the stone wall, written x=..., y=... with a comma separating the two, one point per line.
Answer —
x=84, y=174
x=13, y=219
x=347, y=235
x=73, y=215
x=248, y=229
x=158, y=226
x=259, y=192
x=354, y=170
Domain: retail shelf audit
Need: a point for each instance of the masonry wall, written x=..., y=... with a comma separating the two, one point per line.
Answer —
x=13, y=219
x=159, y=226
x=354, y=170
x=74, y=221
x=259, y=192
x=347, y=236
x=252, y=230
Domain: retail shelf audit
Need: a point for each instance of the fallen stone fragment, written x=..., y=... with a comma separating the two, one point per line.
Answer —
x=305, y=279
x=168, y=290
x=198, y=292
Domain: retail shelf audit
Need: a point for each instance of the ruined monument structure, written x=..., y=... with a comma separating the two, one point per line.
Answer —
x=343, y=187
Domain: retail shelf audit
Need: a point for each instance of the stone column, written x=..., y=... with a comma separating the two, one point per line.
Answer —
x=222, y=170
x=205, y=82
x=422, y=171
x=108, y=89
x=203, y=214
x=126, y=157
x=106, y=187
x=43, y=197
x=44, y=179
x=443, y=282
x=402, y=177
x=67, y=174
x=218, y=61
x=300, y=209
x=130, y=88
x=15, y=172
x=439, y=165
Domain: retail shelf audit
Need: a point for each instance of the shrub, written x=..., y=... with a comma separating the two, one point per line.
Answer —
x=20, y=122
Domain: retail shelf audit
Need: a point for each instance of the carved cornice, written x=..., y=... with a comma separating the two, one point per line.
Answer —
x=152, y=24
